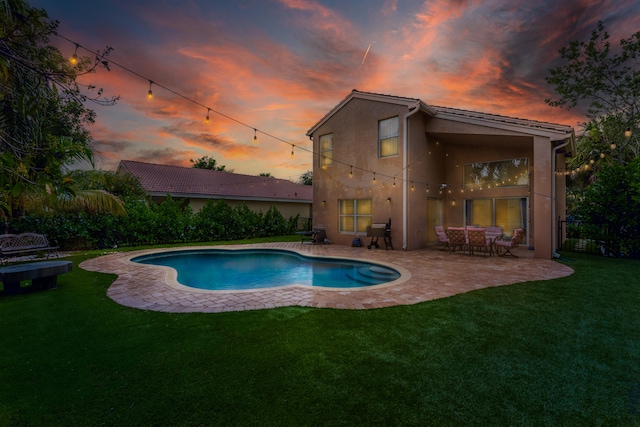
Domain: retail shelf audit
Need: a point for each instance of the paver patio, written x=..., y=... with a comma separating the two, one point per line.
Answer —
x=427, y=274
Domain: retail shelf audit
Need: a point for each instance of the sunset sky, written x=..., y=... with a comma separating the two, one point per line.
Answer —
x=279, y=65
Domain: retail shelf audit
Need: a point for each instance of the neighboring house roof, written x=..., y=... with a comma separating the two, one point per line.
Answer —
x=555, y=132
x=160, y=180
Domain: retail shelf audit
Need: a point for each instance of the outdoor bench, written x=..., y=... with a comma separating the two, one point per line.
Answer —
x=43, y=275
x=19, y=244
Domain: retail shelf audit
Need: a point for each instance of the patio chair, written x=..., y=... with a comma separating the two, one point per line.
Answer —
x=495, y=233
x=442, y=236
x=478, y=239
x=457, y=238
x=507, y=245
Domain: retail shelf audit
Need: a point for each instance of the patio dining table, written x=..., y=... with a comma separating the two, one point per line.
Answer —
x=492, y=236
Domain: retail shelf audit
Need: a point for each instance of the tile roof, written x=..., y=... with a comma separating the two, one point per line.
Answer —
x=533, y=124
x=563, y=131
x=205, y=183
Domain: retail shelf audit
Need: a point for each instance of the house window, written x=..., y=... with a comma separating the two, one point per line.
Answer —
x=506, y=173
x=388, y=137
x=355, y=215
x=508, y=213
x=326, y=150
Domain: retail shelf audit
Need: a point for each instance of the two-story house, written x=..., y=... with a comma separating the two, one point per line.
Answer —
x=381, y=156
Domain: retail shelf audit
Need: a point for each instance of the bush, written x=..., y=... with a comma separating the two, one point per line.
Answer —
x=171, y=221
x=613, y=201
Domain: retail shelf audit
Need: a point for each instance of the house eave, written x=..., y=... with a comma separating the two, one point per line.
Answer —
x=523, y=128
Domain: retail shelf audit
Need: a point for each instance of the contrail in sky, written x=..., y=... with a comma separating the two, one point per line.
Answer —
x=365, y=55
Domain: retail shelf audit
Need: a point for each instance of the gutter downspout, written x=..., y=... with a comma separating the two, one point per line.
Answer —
x=553, y=196
x=405, y=164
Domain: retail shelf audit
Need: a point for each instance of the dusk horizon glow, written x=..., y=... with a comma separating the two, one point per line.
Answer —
x=278, y=66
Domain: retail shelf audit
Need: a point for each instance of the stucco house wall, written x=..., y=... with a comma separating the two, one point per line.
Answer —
x=423, y=185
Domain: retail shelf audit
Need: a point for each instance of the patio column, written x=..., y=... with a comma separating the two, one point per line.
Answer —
x=541, y=198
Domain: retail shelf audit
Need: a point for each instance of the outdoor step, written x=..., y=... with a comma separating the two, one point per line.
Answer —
x=372, y=275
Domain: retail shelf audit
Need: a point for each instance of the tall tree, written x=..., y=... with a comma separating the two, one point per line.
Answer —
x=42, y=113
x=306, y=178
x=206, y=162
x=604, y=80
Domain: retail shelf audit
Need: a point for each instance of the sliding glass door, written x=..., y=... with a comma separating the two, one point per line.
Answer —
x=508, y=213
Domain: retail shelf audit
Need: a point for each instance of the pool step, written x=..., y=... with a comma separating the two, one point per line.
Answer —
x=372, y=275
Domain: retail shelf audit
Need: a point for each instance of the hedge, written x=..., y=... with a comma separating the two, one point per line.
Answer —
x=171, y=221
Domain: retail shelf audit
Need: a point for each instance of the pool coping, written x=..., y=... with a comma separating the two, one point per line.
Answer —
x=433, y=274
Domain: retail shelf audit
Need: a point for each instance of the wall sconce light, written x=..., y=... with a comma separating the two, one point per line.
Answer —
x=388, y=200
x=324, y=202
x=627, y=133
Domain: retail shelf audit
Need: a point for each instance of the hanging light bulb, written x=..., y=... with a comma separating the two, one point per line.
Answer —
x=412, y=187
x=292, y=155
x=150, y=93
x=255, y=136
x=627, y=132
x=394, y=182
x=206, y=119
x=613, y=146
x=74, y=57
x=351, y=172
x=374, y=178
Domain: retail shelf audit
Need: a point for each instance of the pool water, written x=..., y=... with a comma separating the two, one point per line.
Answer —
x=222, y=269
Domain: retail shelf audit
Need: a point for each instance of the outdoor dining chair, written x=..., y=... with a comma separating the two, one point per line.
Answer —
x=457, y=238
x=518, y=234
x=478, y=239
x=443, y=239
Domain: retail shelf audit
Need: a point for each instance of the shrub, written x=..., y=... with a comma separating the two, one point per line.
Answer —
x=170, y=221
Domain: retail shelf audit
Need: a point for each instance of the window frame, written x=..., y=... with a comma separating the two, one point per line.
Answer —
x=326, y=161
x=395, y=136
x=501, y=167
x=355, y=215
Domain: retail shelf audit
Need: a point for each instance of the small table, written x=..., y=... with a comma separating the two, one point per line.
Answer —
x=43, y=275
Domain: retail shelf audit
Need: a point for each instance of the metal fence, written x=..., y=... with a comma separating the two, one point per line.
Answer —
x=579, y=236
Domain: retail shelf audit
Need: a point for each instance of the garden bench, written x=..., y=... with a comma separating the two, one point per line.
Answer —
x=43, y=275
x=18, y=244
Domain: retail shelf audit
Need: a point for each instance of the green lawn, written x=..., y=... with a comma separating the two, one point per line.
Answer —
x=559, y=352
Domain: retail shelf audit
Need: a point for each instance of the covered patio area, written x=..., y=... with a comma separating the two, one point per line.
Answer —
x=433, y=273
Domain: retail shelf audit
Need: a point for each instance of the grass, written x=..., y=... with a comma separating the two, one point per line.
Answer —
x=558, y=352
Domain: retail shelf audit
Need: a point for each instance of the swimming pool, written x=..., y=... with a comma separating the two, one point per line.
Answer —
x=247, y=269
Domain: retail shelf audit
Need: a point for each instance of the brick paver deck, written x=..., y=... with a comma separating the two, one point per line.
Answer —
x=427, y=274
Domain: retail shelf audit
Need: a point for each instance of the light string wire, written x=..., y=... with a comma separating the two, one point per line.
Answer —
x=385, y=178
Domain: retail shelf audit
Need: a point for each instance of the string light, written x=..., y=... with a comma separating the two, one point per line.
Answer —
x=255, y=136
x=74, y=57
x=255, y=140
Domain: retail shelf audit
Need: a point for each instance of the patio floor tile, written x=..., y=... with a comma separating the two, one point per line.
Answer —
x=433, y=274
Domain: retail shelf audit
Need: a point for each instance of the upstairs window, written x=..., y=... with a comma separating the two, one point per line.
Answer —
x=326, y=150
x=388, y=137
x=505, y=173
